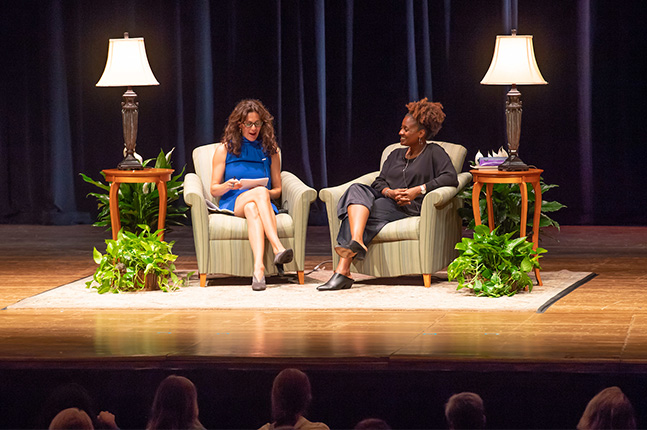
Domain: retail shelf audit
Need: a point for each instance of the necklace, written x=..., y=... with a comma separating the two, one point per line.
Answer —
x=410, y=161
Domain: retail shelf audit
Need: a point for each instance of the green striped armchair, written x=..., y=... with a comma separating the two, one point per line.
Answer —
x=221, y=240
x=415, y=245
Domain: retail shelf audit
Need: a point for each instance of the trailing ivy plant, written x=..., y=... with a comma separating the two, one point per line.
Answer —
x=139, y=203
x=506, y=205
x=494, y=265
x=136, y=262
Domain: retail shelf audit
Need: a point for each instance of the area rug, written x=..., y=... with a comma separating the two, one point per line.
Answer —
x=368, y=293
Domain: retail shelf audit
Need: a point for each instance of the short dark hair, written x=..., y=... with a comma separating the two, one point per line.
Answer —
x=465, y=411
x=372, y=424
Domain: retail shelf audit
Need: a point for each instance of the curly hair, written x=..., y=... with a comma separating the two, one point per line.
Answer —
x=231, y=136
x=428, y=114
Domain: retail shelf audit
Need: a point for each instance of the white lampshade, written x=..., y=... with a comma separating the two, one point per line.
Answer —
x=513, y=63
x=127, y=64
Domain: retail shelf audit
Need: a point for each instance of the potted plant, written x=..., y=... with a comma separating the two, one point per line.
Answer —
x=136, y=262
x=139, y=203
x=494, y=265
x=506, y=203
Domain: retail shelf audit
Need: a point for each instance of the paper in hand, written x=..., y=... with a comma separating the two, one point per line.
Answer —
x=246, y=184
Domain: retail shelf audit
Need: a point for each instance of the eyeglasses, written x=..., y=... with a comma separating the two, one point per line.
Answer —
x=257, y=124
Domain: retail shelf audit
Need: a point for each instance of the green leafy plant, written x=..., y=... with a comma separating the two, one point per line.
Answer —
x=506, y=205
x=494, y=265
x=136, y=262
x=139, y=203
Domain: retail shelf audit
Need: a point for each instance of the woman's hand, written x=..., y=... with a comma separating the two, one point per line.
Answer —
x=107, y=420
x=400, y=196
x=232, y=184
x=404, y=196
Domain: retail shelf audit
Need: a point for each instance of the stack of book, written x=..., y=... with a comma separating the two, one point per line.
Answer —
x=489, y=163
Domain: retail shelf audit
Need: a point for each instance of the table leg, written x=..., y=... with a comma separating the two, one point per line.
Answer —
x=536, y=219
x=524, y=209
x=476, y=208
x=115, y=222
x=490, y=211
x=161, y=187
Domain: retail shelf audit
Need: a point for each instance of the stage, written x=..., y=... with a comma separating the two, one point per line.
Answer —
x=533, y=370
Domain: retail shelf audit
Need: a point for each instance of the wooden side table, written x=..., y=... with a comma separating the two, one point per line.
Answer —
x=491, y=177
x=117, y=177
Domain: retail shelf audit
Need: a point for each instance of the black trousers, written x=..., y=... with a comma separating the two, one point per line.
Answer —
x=382, y=210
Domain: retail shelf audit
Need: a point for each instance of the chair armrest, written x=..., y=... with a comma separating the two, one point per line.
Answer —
x=333, y=194
x=440, y=225
x=296, y=197
x=194, y=198
x=464, y=179
x=193, y=193
x=441, y=196
x=330, y=196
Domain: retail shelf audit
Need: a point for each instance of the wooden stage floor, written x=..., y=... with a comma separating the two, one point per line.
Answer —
x=598, y=332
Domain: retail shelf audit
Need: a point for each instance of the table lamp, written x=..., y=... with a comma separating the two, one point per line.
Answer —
x=127, y=66
x=513, y=64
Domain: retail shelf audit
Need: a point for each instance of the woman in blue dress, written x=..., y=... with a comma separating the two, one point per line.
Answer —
x=250, y=151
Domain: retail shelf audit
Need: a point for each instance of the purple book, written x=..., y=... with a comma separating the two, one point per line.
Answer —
x=491, y=161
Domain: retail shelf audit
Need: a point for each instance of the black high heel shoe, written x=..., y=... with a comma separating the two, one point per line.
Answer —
x=337, y=282
x=351, y=250
x=282, y=258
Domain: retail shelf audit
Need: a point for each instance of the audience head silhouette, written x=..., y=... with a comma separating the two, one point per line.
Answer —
x=372, y=424
x=609, y=409
x=291, y=396
x=69, y=395
x=71, y=418
x=465, y=411
x=175, y=405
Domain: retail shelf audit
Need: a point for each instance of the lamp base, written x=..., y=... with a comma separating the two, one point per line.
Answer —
x=513, y=164
x=130, y=163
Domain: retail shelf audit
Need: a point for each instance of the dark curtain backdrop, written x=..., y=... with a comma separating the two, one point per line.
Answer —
x=336, y=75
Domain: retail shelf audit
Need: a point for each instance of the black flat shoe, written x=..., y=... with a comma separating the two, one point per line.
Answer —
x=352, y=250
x=284, y=257
x=336, y=282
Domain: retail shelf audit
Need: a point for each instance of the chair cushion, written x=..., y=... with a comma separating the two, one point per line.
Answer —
x=227, y=227
x=403, y=229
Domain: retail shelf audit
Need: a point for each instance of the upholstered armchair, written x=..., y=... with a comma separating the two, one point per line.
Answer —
x=415, y=245
x=221, y=240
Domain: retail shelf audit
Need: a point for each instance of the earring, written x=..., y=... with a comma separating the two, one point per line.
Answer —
x=420, y=141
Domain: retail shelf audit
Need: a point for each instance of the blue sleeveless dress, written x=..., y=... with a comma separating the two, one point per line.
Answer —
x=252, y=163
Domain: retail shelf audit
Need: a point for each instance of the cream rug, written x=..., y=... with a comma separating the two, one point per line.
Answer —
x=402, y=293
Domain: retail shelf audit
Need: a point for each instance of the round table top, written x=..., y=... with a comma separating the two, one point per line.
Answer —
x=504, y=176
x=148, y=174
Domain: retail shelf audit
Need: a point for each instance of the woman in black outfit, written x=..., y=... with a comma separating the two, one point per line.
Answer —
x=406, y=176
